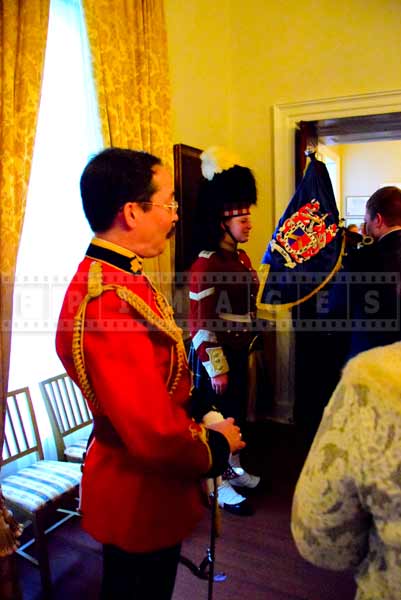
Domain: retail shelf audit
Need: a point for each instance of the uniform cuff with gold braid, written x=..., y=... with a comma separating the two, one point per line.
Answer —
x=217, y=365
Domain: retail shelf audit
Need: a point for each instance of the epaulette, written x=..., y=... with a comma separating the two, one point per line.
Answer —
x=206, y=253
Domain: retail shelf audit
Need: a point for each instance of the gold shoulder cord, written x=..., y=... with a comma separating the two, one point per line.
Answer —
x=166, y=324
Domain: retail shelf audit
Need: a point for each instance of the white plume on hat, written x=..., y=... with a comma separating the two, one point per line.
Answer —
x=217, y=159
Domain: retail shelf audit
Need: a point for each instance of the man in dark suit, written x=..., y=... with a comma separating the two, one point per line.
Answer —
x=372, y=276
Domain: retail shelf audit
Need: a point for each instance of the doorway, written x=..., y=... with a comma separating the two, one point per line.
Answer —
x=285, y=119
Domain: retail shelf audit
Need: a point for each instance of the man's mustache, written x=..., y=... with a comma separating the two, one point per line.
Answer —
x=171, y=232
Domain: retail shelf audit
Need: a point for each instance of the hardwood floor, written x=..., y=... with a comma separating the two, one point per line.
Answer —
x=256, y=553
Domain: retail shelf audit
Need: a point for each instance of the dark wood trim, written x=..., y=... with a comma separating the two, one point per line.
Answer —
x=187, y=175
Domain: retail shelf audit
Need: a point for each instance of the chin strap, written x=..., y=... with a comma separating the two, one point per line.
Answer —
x=228, y=230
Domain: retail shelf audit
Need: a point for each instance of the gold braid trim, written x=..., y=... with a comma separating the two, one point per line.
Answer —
x=95, y=289
x=199, y=432
x=274, y=311
x=166, y=324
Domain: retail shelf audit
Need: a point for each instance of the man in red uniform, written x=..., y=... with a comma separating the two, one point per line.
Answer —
x=223, y=288
x=141, y=492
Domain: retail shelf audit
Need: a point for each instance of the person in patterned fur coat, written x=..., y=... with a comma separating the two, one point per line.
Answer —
x=347, y=504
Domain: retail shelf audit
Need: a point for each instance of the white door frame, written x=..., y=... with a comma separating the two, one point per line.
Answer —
x=285, y=117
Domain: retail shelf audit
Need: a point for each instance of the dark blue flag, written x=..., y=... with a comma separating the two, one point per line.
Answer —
x=306, y=248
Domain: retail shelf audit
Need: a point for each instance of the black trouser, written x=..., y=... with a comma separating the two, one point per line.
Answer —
x=139, y=576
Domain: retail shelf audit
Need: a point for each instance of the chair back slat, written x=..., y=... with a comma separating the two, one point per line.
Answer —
x=22, y=420
x=66, y=402
x=6, y=448
x=59, y=392
x=66, y=406
x=73, y=419
x=81, y=404
x=12, y=436
x=21, y=433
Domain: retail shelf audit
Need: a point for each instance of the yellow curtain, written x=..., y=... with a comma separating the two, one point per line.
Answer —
x=23, y=32
x=128, y=44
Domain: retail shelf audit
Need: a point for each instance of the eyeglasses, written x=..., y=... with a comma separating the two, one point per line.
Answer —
x=172, y=207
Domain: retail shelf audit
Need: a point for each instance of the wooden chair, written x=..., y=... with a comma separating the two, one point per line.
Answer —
x=37, y=492
x=68, y=412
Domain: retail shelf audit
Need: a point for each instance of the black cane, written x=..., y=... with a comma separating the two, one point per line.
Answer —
x=212, y=547
x=206, y=568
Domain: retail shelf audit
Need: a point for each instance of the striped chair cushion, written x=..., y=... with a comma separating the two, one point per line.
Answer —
x=75, y=451
x=41, y=483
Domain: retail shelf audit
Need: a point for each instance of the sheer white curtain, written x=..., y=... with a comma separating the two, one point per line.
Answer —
x=55, y=233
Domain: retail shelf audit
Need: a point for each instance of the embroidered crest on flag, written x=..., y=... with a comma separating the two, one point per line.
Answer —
x=303, y=234
x=306, y=248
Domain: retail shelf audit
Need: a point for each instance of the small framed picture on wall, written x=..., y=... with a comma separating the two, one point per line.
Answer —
x=355, y=205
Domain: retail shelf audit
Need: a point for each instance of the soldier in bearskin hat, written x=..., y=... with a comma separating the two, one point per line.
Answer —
x=223, y=287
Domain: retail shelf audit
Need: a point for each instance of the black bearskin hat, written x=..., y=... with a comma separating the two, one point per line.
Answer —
x=227, y=189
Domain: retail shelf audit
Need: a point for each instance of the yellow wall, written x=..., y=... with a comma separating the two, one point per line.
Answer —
x=231, y=61
x=200, y=58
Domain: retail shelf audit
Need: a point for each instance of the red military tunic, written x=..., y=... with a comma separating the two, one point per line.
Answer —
x=141, y=480
x=223, y=288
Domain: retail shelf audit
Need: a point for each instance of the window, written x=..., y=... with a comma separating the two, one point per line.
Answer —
x=55, y=233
